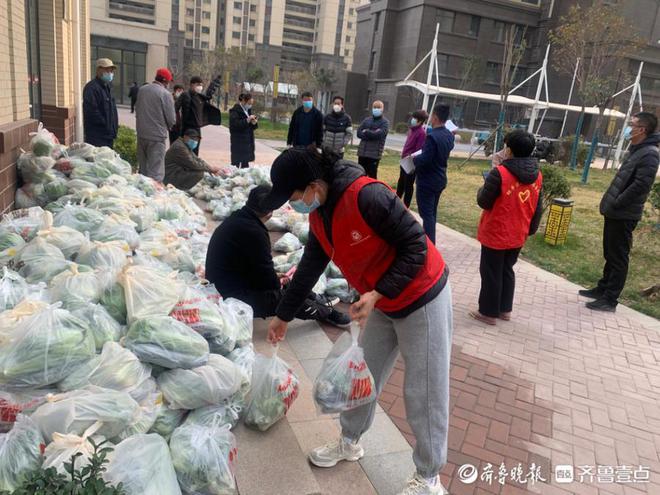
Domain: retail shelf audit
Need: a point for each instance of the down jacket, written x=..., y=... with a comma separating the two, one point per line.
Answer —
x=337, y=131
x=372, y=133
x=628, y=191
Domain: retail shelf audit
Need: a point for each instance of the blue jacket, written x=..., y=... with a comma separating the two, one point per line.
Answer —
x=99, y=113
x=431, y=164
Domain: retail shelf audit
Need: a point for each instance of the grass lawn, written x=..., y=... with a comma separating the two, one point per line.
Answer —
x=580, y=260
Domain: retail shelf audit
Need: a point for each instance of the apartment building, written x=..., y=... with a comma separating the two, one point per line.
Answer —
x=43, y=46
x=193, y=31
x=134, y=34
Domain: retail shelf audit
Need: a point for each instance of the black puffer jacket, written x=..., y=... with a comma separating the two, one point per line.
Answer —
x=390, y=219
x=526, y=171
x=628, y=191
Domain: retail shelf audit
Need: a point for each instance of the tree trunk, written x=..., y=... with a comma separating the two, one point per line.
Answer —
x=576, y=141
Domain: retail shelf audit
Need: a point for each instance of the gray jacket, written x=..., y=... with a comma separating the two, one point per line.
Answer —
x=154, y=112
x=372, y=133
x=183, y=169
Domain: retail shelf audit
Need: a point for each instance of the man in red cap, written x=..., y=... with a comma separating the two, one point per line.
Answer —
x=155, y=116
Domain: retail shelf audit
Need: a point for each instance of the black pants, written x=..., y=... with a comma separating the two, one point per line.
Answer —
x=617, y=241
x=427, y=204
x=370, y=166
x=133, y=105
x=264, y=304
x=241, y=164
x=405, y=186
x=498, y=282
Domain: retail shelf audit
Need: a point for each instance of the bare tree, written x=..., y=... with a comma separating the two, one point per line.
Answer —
x=473, y=72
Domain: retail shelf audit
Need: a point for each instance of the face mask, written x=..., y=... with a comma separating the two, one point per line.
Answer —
x=337, y=108
x=301, y=207
x=192, y=144
x=429, y=128
x=377, y=112
x=248, y=107
x=107, y=76
x=178, y=93
x=627, y=132
x=199, y=89
x=413, y=122
x=308, y=104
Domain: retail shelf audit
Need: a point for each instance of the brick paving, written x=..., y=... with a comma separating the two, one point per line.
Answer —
x=559, y=384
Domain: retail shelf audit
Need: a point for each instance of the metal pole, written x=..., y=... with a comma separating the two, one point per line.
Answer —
x=570, y=95
x=77, y=67
x=432, y=63
x=532, y=118
x=619, y=146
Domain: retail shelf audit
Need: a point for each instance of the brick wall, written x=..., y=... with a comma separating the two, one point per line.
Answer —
x=13, y=137
x=60, y=121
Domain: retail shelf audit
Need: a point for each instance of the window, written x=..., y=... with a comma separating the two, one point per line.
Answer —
x=372, y=60
x=500, y=27
x=351, y=11
x=519, y=34
x=235, y=35
x=190, y=12
x=253, y=8
x=206, y=15
x=475, y=22
x=206, y=30
x=205, y=45
x=443, y=63
x=446, y=20
x=189, y=27
x=208, y=2
x=237, y=20
x=253, y=22
x=189, y=43
x=250, y=37
x=238, y=5
x=493, y=72
x=348, y=39
x=349, y=25
x=347, y=53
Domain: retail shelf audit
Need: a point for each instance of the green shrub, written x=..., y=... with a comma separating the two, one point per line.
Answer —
x=401, y=128
x=126, y=145
x=566, y=147
x=654, y=198
x=555, y=184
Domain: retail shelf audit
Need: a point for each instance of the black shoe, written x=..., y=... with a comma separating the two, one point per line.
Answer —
x=594, y=293
x=602, y=305
x=337, y=319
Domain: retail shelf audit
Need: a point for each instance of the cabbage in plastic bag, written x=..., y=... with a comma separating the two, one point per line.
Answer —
x=167, y=420
x=108, y=257
x=145, y=419
x=13, y=289
x=20, y=452
x=31, y=195
x=275, y=224
x=239, y=316
x=39, y=261
x=103, y=326
x=116, y=230
x=26, y=222
x=44, y=349
x=56, y=189
x=301, y=231
x=10, y=244
x=43, y=141
x=79, y=218
x=148, y=293
x=79, y=186
x=164, y=341
x=76, y=287
x=63, y=447
x=144, y=217
x=203, y=458
x=91, y=172
x=68, y=240
x=114, y=301
x=33, y=168
x=226, y=413
x=244, y=357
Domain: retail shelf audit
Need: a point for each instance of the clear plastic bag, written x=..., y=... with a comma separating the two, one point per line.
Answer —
x=336, y=287
x=145, y=419
x=63, y=447
x=116, y=228
x=164, y=341
x=20, y=452
x=274, y=388
x=301, y=231
x=114, y=302
x=108, y=257
x=27, y=222
x=203, y=315
x=288, y=243
x=144, y=217
x=30, y=195
x=14, y=403
x=167, y=420
x=115, y=368
x=44, y=349
x=241, y=316
x=33, y=168
x=143, y=465
x=10, y=318
x=79, y=218
x=206, y=385
x=103, y=326
x=39, y=261
x=276, y=224
x=66, y=239
x=203, y=458
x=148, y=293
x=13, y=289
x=226, y=413
x=10, y=245
x=91, y=172
x=76, y=287
x=244, y=357
x=43, y=141
x=344, y=381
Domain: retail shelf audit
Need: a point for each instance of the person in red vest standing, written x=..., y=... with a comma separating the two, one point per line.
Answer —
x=405, y=297
x=512, y=202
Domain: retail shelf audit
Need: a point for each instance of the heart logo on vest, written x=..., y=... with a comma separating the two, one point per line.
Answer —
x=524, y=195
x=356, y=236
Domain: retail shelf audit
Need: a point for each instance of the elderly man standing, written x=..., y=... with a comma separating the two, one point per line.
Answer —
x=372, y=133
x=155, y=116
x=99, y=109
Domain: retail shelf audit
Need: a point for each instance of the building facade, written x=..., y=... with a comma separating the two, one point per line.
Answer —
x=393, y=35
x=134, y=34
x=193, y=31
x=38, y=56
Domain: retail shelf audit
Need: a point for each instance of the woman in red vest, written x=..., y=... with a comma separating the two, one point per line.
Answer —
x=511, y=199
x=405, y=303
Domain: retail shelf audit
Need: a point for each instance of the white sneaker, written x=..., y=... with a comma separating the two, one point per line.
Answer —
x=419, y=486
x=332, y=453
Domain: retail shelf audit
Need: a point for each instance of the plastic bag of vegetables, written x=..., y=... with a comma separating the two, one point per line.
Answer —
x=43, y=141
x=56, y=189
x=344, y=381
x=76, y=287
x=244, y=357
x=10, y=318
x=143, y=465
x=301, y=231
x=336, y=287
x=115, y=368
x=321, y=285
x=206, y=385
x=84, y=151
x=148, y=293
x=114, y=228
x=107, y=257
x=167, y=420
x=12, y=404
x=274, y=388
x=114, y=302
x=10, y=244
x=44, y=349
x=64, y=446
x=79, y=218
x=39, y=261
x=115, y=165
x=68, y=240
x=80, y=187
x=143, y=216
x=13, y=289
x=203, y=458
x=74, y=412
x=33, y=168
x=275, y=224
x=145, y=419
x=26, y=222
x=20, y=452
x=226, y=413
x=91, y=172
x=31, y=194
x=164, y=341
x=103, y=326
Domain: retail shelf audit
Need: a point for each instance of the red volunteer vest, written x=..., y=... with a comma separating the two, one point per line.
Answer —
x=506, y=225
x=364, y=257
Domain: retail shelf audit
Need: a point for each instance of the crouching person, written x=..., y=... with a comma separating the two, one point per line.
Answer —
x=184, y=169
x=240, y=265
x=405, y=302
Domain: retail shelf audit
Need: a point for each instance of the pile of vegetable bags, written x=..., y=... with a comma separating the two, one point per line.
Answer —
x=108, y=330
x=228, y=191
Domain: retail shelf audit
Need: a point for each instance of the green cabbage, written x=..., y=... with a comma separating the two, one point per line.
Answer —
x=76, y=287
x=20, y=452
x=167, y=421
x=114, y=301
x=103, y=326
x=79, y=218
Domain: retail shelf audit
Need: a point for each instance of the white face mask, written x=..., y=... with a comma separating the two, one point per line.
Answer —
x=199, y=88
x=178, y=93
x=337, y=108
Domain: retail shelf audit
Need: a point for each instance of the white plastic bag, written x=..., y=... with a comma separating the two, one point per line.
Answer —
x=65, y=238
x=39, y=261
x=344, y=381
x=148, y=293
x=244, y=357
x=14, y=403
x=63, y=447
x=288, y=243
x=27, y=222
x=20, y=452
x=143, y=465
x=167, y=420
x=76, y=287
x=13, y=289
x=103, y=326
x=241, y=315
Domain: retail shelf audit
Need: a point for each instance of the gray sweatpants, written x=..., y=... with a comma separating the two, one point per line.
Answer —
x=424, y=339
x=151, y=158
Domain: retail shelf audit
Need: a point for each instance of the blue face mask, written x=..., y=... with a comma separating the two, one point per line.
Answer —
x=192, y=144
x=301, y=207
x=376, y=112
x=429, y=128
x=107, y=77
x=413, y=122
x=308, y=104
x=627, y=132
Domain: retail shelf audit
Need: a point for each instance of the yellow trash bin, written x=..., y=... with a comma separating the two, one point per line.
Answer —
x=559, y=218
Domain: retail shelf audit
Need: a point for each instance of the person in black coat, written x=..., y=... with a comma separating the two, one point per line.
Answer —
x=306, y=126
x=240, y=265
x=194, y=106
x=100, y=118
x=132, y=94
x=241, y=130
x=622, y=206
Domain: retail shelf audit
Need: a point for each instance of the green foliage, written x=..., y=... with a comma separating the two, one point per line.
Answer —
x=566, y=147
x=555, y=184
x=654, y=198
x=401, y=127
x=84, y=481
x=126, y=145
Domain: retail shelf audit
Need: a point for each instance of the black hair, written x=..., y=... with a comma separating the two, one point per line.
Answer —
x=196, y=80
x=421, y=116
x=161, y=79
x=647, y=120
x=177, y=86
x=245, y=97
x=441, y=110
x=338, y=98
x=521, y=143
x=306, y=94
x=255, y=200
